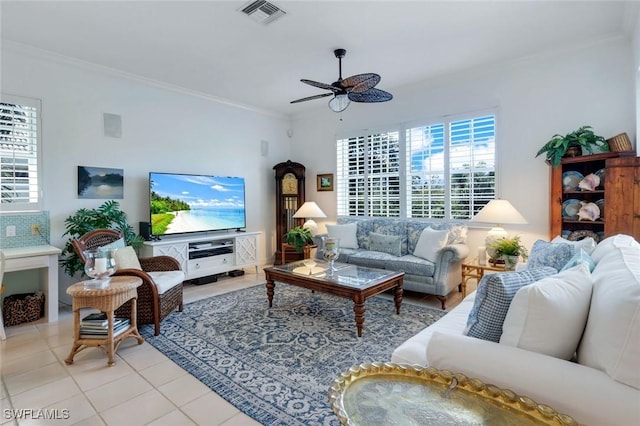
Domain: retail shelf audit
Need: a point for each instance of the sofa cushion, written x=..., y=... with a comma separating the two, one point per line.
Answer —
x=588, y=243
x=391, y=244
x=430, y=242
x=587, y=395
x=126, y=258
x=166, y=280
x=371, y=259
x=412, y=265
x=549, y=315
x=364, y=227
x=393, y=227
x=555, y=255
x=612, y=335
x=346, y=233
x=580, y=257
x=493, y=297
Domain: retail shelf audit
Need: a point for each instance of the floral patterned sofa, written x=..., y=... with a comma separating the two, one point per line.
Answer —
x=391, y=243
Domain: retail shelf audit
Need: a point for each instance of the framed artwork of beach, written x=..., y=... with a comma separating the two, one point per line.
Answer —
x=325, y=182
x=100, y=182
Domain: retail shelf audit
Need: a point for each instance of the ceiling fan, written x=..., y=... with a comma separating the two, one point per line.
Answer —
x=357, y=88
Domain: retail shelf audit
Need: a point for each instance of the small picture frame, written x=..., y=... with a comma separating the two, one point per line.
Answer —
x=325, y=182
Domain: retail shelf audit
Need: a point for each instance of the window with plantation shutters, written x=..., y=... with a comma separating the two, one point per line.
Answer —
x=441, y=170
x=19, y=154
x=368, y=176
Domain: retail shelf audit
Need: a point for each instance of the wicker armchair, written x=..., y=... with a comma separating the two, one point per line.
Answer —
x=153, y=305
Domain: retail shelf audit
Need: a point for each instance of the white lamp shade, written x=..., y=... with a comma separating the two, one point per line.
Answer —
x=309, y=209
x=499, y=212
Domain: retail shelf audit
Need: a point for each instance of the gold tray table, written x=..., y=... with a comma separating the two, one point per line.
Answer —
x=400, y=394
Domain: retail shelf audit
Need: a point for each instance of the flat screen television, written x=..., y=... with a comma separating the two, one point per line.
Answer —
x=183, y=203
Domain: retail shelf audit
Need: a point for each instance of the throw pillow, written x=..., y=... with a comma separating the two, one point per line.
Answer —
x=430, y=243
x=117, y=244
x=580, y=257
x=126, y=258
x=493, y=297
x=588, y=244
x=612, y=335
x=346, y=233
x=550, y=254
x=390, y=244
x=457, y=234
x=549, y=316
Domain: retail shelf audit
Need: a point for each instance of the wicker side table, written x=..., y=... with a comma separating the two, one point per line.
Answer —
x=120, y=290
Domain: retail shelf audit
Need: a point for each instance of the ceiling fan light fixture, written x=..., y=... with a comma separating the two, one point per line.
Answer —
x=339, y=103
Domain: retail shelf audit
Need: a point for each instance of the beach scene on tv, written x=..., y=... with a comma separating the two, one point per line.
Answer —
x=194, y=203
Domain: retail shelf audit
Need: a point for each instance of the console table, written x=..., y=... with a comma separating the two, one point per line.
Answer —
x=44, y=258
x=210, y=254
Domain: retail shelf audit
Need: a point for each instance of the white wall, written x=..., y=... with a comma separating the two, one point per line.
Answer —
x=536, y=97
x=163, y=131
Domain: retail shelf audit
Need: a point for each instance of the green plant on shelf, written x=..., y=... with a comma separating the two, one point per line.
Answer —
x=558, y=145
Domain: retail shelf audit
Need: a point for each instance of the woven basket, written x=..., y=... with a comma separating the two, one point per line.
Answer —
x=620, y=143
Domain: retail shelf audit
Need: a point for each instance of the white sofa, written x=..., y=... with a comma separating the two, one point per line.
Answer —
x=600, y=386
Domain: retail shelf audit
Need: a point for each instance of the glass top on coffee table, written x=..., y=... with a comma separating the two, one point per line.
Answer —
x=345, y=274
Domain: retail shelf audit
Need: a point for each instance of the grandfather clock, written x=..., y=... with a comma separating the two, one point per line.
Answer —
x=289, y=198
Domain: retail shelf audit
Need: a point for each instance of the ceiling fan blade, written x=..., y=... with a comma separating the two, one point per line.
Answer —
x=321, y=85
x=371, y=95
x=360, y=83
x=310, y=98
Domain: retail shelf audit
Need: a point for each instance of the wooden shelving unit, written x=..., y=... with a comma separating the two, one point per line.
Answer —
x=615, y=195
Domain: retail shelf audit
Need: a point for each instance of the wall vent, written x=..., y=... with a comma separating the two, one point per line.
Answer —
x=262, y=11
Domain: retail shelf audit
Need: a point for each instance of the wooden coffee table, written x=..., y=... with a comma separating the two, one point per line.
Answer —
x=350, y=281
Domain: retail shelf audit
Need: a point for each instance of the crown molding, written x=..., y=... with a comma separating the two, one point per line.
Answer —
x=113, y=72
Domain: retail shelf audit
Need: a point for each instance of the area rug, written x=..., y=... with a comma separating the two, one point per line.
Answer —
x=276, y=364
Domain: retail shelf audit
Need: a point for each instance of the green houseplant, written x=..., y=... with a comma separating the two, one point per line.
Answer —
x=108, y=216
x=558, y=145
x=298, y=237
x=509, y=249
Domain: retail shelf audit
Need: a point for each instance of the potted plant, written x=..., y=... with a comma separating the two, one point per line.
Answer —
x=572, y=144
x=299, y=237
x=108, y=216
x=509, y=249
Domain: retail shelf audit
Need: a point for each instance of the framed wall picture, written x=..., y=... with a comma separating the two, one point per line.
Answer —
x=325, y=182
x=100, y=182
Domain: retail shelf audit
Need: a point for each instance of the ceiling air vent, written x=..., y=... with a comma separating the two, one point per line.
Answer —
x=262, y=11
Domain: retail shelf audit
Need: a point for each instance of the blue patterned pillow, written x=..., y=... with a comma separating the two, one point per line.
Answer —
x=580, y=257
x=493, y=298
x=386, y=243
x=117, y=244
x=555, y=255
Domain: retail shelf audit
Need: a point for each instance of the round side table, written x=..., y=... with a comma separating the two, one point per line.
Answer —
x=120, y=290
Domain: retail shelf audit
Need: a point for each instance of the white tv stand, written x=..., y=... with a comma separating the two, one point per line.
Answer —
x=208, y=254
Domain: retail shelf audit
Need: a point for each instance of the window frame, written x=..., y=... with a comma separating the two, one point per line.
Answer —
x=38, y=204
x=403, y=130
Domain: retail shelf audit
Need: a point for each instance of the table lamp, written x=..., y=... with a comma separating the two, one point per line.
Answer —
x=307, y=211
x=498, y=212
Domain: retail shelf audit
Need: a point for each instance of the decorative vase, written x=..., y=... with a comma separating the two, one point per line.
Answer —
x=510, y=262
x=99, y=265
x=331, y=252
x=573, y=151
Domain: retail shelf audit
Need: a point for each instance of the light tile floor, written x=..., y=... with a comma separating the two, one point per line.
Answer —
x=143, y=388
